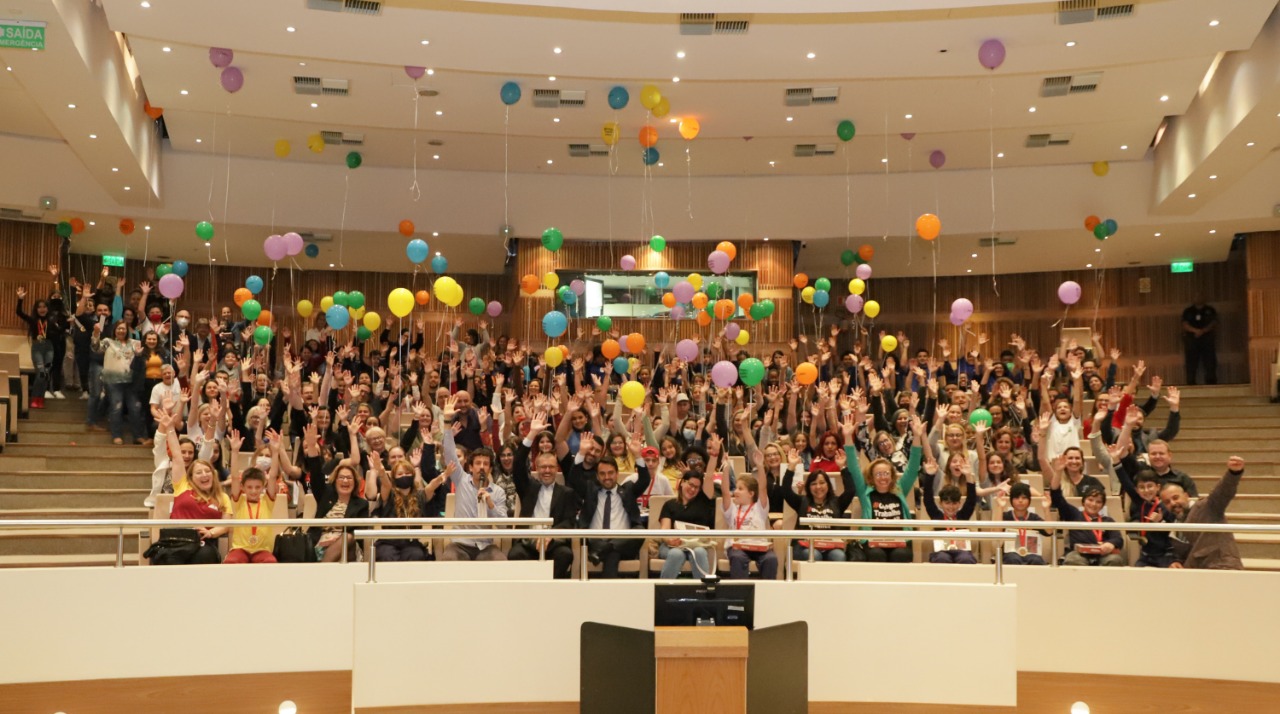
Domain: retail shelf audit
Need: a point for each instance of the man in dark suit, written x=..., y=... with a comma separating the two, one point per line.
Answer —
x=543, y=498
x=607, y=504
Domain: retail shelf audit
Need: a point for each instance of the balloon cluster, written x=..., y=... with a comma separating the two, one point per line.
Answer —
x=277, y=247
x=232, y=78
x=1101, y=229
x=651, y=99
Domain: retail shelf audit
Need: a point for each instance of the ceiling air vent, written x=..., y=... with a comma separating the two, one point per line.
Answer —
x=996, y=241
x=1087, y=82
x=1062, y=85
x=1074, y=12
x=343, y=138
x=554, y=98
x=1115, y=11
x=354, y=7
x=586, y=150
x=21, y=214
x=316, y=237
x=807, y=150
x=709, y=23
x=1040, y=141
x=318, y=85
x=806, y=96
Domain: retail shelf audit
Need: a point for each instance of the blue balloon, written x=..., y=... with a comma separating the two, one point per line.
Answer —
x=821, y=298
x=554, y=323
x=1112, y=226
x=651, y=156
x=337, y=317
x=254, y=283
x=510, y=93
x=618, y=97
x=416, y=250
x=180, y=268
x=312, y=250
x=439, y=264
x=621, y=364
x=662, y=280
x=567, y=296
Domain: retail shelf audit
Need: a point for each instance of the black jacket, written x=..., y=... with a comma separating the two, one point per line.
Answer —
x=564, y=501
x=588, y=491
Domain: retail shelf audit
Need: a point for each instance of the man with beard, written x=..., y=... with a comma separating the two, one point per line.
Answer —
x=1197, y=549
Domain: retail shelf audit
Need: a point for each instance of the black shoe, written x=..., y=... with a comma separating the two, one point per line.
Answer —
x=593, y=557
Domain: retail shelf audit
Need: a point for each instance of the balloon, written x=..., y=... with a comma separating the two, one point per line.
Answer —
x=650, y=156
x=406, y=228
x=724, y=374
x=718, y=261
x=64, y=229
x=699, y=300
x=292, y=243
x=356, y=313
x=493, y=309
x=604, y=323
x=264, y=318
x=628, y=262
x=610, y=349
x=957, y=320
x=400, y=302
x=553, y=356
x=476, y=306
x=355, y=299
x=683, y=291
x=274, y=248
x=962, y=307
x=751, y=371
x=807, y=294
x=845, y=130
x=251, y=309
x=372, y=320
x=204, y=231
x=305, y=308
x=1069, y=292
x=1091, y=222
x=220, y=57
x=440, y=264
x=632, y=394
x=658, y=244
x=315, y=142
x=800, y=280
x=863, y=272
x=126, y=226
x=662, y=108
x=866, y=252
x=661, y=279
x=635, y=343
x=550, y=280
x=871, y=308
x=578, y=287
x=1101, y=168
x=312, y=250
x=414, y=72
x=1100, y=231
x=363, y=333
x=821, y=298
x=326, y=302
x=853, y=303
x=937, y=158
x=232, y=79
x=77, y=225
x=649, y=96
x=888, y=343
x=621, y=365
x=713, y=290
x=703, y=319
x=668, y=300
x=724, y=309
x=928, y=226
x=1111, y=225
x=171, y=286
x=822, y=284
x=340, y=298
x=757, y=312
x=648, y=136
x=422, y=297
x=241, y=296
x=417, y=250
x=554, y=323
x=806, y=373
x=745, y=301
x=552, y=239
x=153, y=112
x=991, y=54
x=677, y=312
x=610, y=133
x=847, y=257
x=567, y=295
x=354, y=159
x=689, y=128
x=768, y=307
x=980, y=415
x=618, y=97
x=731, y=330
x=908, y=135
x=180, y=268
x=262, y=335
x=510, y=93
x=163, y=269
x=254, y=283
x=743, y=338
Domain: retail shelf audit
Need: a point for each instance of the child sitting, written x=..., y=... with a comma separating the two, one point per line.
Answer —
x=250, y=491
x=1017, y=507
x=950, y=550
x=747, y=509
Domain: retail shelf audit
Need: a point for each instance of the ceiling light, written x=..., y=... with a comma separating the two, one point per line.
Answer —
x=766, y=238
x=674, y=120
x=791, y=118
x=772, y=163
x=331, y=264
x=1213, y=177
x=1157, y=235
x=1191, y=195
x=127, y=188
x=1164, y=97
x=1250, y=144
x=93, y=136
x=215, y=260
x=436, y=157
x=974, y=255
x=93, y=223
x=1032, y=110
x=556, y=119
x=302, y=64
x=1000, y=155
x=1088, y=265
x=430, y=72
x=166, y=49
x=426, y=42
x=557, y=50
x=290, y=29
x=1212, y=23
x=199, y=141
x=145, y=4
x=660, y=164
x=439, y=112
x=437, y=252
x=884, y=161
x=1213, y=231
x=549, y=161
x=1097, y=250
x=675, y=80
x=71, y=106
x=908, y=116
x=1071, y=43
x=435, y=234
x=114, y=169
x=970, y=270
x=314, y=105
x=183, y=92
x=10, y=69
x=146, y=228
x=811, y=55
x=680, y=54
x=552, y=78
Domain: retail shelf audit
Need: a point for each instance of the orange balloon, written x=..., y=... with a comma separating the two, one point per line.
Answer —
x=703, y=319
x=610, y=349
x=669, y=300
x=1091, y=222
x=648, y=136
x=406, y=228
x=530, y=284
x=724, y=309
x=800, y=281
x=241, y=295
x=153, y=112
x=264, y=318
x=928, y=226
x=689, y=128
x=806, y=373
x=77, y=225
x=728, y=248
x=866, y=252
x=745, y=301
x=635, y=343
x=699, y=300
x=422, y=297
x=126, y=226
x=564, y=351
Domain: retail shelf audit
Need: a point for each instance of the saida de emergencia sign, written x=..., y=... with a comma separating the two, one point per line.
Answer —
x=22, y=34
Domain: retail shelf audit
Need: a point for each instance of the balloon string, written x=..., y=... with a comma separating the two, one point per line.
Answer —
x=688, y=165
x=848, y=197
x=991, y=157
x=342, y=228
x=506, y=164
x=413, y=187
x=886, y=168
x=911, y=243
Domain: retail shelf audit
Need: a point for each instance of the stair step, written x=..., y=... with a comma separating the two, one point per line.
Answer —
x=80, y=513
x=62, y=480
x=1251, y=483
x=72, y=560
x=18, y=498
x=53, y=427
x=1258, y=546
x=118, y=452
x=1259, y=475
x=1219, y=390
x=108, y=459
x=65, y=438
x=1266, y=519
x=64, y=541
x=1262, y=564
x=1220, y=409
x=1254, y=503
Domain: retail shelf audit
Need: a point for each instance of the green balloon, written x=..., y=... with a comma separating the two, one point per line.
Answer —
x=845, y=130
x=751, y=371
x=980, y=415
x=354, y=160
x=262, y=333
x=64, y=229
x=1100, y=231
x=251, y=309
x=163, y=269
x=657, y=244
x=341, y=298
x=710, y=309
x=822, y=284
x=363, y=333
x=476, y=306
x=204, y=230
x=848, y=257
x=604, y=323
x=713, y=290
x=552, y=239
x=758, y=312
x=768, y=307
x=355, y=299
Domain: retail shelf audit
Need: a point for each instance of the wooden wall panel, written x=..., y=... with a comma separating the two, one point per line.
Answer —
x=26, y=251
x=1263, y=309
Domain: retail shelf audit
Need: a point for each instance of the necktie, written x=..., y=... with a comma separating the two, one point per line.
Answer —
x=608, y=509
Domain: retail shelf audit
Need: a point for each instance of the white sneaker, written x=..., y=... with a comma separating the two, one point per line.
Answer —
x=49, y=395
x=84, y=395
x=150, y=502
x=59, y=395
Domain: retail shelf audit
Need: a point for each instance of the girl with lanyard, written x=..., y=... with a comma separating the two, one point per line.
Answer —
x=1016, y=506
x=747, y=509
x=1097, y=546
x=818, y=500
x=43, y=329
x=951, y=509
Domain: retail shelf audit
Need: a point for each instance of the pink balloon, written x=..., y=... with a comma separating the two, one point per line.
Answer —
x=718, y=261
x=415, y=72
x=1069, y=292
x=731, y=330
x=687, y=350
x=232, y=79
x=853, y=303
x=171, y=286
x=937, y=158
x=991, y=54
x=677, y=313
x=292, y=243
x=628, y=262
x=863, y=272
x=494, y=309
x=275, y=248
x=578, y=287
x=908, y=135
x=220, y=56
x=724, y=374
x=957, y=320
x=622, y=343
x=962, y=307
x=683, y=291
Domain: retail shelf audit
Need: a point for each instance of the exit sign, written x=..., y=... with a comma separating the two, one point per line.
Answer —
x=22, y=34
x=1181, y=266
x=113, y=261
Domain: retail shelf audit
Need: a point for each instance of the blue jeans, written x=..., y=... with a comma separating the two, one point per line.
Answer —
x=42, y=360
x=800, y=554
x=122, y=398
x=677, y=557
x=93, y=412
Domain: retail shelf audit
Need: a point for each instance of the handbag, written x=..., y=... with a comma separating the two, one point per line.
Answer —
x=294, y=546
x=176, y=546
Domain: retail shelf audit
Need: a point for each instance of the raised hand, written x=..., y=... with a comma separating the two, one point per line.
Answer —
x=235, y=440
x=1235, y=463
x=1174, y=397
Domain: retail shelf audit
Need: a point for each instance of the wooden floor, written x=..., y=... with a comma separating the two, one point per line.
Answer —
x=330, y=693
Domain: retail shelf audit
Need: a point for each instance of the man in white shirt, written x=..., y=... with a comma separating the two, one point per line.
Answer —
x=476, y=496
x=170, y=386
x=1064, y=426
x=608, y=504
x=544, y=498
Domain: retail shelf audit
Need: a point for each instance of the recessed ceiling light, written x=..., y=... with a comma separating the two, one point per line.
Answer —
x=166, y=49
x=556, y=119
x=557, y=50
x=675, y=120
x=314, y=105
x=771, y=163
x=1124, y=147
x=93, y=223
x=215, y=260
x=93, y=136
x=431, y=71
x=884, y=161
x=970, y=270
x=791, y=118
x=425, y=42
x=1032, y=110
x=1213, y=231
x=290, y=29
x=1213, y=177
x=183, y=92
x=1212, y=23
x=766, y=238
x=71, y=106
x=1164, y=97
x=1088, y=265
x=1250, y=144
x=1157, y=235
x=661, y=164
x=680, y=54
x=436, y=157
x=552, y=78
x=675, y=80
x=10, y=69
x=811, y=55
x=1191, y=195
x=437, y=252
x=145, y=4
x=549, y=161
x=1097, y=250
x=1000, y=155
x=435, y=234
x=146, y=228
x=114, y=169
x=439, y=112
x=127, y=188
x=908, y=116
x=1071, y=43
x=331, y=264
x=199, y=141
x=302, y=64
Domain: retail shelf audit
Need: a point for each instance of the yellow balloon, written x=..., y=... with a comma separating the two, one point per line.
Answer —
x=283, y=148
x=888, y=343
x=305, y=308
x=649, y=96
x=553, y=356
x=632, y=365
x=455, y=297
x=372, y=321
x=551, y=280
x=632, y=394
x=695, y=280
x=400, y=302
x=856, y=286
x=610, y=133
x=807, y=294
x=662, y=108
x=315, y=142
x=871, y=309
x=356, y=313
x=743, y=337
x=1101, y=168
x=326, y=302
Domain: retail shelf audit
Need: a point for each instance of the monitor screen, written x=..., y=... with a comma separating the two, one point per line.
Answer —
x=696, y=604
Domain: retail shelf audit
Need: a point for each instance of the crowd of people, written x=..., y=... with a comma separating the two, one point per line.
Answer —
x=389, y=428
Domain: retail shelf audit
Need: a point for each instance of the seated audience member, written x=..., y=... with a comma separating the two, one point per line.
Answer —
x=1210, y=551
x=1161, y=460
x=1085, y=547
x=607, y=504
x=475, y=495
x=690, y=510
x=883, y=496
x=253, y=492
x=1141, y=485
x=657, y=486
x=200, y=497
x=1016, y=506
x=543, y=498
x=404, y=496
x=818, y=500
x=747, y=509
x=948, y=507
x=337, y=496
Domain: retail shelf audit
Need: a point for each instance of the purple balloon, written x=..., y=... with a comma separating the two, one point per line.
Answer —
x=220, y=56
x=937, y=158
x=494, y=309
x=1069, y=292
x=292, y=243
x=962, y=307
x=677, y=313
x=731, y=330
x=908, y=135
x=578, y=287
x=171, y=286
x=622, y=343
x=957, y=320
x=991, y=54
x=853, y=303
x=724, y=374
x=863, y=271
x=686, y=350
x=683, y=291
x=415, y=72
x=232, y=79
x=628, y=262
x=275, y=248
x=718, y=261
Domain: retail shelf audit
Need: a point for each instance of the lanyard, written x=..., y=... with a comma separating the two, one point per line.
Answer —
x=253, y=515
x=1147, y=512
x=741, y=517
x=41, y=327
x=1022, y=532
x=1096, y=534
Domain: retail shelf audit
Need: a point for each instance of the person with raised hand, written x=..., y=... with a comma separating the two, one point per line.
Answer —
x=746, y=508
x=883, y=495
x=1097, y=546
x=1200, y=550
x=476, y=496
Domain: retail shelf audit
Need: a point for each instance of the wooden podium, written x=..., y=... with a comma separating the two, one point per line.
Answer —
x=700, y=670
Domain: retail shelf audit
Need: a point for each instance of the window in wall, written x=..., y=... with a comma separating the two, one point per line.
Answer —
x=633, y=294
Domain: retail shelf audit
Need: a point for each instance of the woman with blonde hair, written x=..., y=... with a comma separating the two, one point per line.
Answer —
x=883, y=495
x=404, y=496
x=199, y=496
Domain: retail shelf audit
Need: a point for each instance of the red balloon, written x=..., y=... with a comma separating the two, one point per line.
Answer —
x=406, y=228
x=126, y=226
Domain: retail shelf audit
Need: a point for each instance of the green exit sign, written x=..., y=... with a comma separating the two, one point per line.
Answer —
x=1181, y=266
x=113, y=261
x=22, y=34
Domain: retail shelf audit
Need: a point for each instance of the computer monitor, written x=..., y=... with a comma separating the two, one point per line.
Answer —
x=701, y=604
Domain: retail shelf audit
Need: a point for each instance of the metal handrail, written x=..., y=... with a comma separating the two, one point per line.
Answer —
x=283, y=522
x=1054, y=525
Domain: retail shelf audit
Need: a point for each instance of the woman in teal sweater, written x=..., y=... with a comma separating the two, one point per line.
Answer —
x=883, y=495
